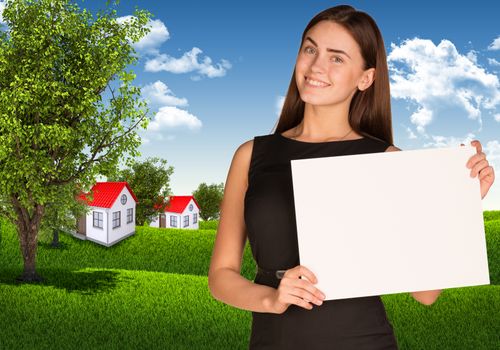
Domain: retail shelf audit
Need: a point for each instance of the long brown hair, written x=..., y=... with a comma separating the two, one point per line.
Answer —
x=370, y=109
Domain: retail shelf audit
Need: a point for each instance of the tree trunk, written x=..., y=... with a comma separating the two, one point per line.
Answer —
x=27, y=228
x=55, y=239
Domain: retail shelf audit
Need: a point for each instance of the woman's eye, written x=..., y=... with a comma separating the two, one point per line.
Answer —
x=337, y=59
x=309, y=49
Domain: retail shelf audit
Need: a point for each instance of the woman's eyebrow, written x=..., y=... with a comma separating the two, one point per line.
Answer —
x=328, y=49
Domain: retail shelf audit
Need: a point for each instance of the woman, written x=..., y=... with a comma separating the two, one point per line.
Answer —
x=338, y=103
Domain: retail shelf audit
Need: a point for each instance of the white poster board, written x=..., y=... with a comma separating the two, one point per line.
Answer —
x=390, y=222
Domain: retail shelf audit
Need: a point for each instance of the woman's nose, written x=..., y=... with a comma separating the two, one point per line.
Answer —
x=319, y=64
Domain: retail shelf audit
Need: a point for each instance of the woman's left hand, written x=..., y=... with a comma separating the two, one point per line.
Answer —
x=479, y=165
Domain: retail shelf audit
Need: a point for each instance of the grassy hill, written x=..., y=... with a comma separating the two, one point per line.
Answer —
x=151, y=291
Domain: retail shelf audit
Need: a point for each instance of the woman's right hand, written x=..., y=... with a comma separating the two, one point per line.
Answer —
x=294, y=290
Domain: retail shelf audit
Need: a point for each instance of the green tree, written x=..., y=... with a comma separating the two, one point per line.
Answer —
x=68, y=109
x=149, y=180
x=209, y=198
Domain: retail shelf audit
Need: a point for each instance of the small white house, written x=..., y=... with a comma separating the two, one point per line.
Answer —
x=180, y=212
x=112, y=215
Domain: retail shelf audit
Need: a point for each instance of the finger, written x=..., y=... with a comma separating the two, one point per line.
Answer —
x=307, y=296
x=309, y=288
x=475, y=158
x=299, y=271
x=289, y=299
x=478, y=146
x=302, y=303
x=486, y=172
x=304, y=271
x=478, y=167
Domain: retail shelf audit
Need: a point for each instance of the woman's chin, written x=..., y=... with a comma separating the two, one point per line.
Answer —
x=315, y=101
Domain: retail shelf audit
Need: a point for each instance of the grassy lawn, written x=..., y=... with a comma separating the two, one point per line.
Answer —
x=150, y=291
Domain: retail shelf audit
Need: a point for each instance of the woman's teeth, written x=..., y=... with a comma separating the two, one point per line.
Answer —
x=316, y=83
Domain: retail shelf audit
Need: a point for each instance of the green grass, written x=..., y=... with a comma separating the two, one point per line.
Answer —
x=150, y=291
x=491, y=215
x=208, y=225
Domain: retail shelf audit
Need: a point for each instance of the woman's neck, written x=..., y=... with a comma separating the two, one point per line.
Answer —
x=324, y=122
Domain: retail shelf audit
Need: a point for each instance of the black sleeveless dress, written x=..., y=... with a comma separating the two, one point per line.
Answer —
x=356, y=323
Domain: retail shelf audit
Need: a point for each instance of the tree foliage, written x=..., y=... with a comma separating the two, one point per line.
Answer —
x=209, y=198
x=68, y=109
x=149, y=179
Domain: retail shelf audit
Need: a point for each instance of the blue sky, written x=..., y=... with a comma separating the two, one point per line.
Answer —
x=215, y=74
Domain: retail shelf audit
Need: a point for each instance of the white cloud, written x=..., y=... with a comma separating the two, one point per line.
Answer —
x=411, y=134
x=495, y=45
x=172, y=117
x=497, y=117
x=438, y=78
x=449, y=141
x=159, y=93
x=188, y=63
x=157, y=35
x=279, y=104
x=472, y=55
x=493, y=62
x=421, y=118
x=492, y=151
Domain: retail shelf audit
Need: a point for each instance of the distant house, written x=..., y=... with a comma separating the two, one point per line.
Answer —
x=180, y=212
x=112, y=215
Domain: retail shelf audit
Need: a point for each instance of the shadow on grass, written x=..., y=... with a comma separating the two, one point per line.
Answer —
x=81, y=282
x=48, y=245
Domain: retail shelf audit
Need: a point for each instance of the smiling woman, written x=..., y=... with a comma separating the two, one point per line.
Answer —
x=337, y=104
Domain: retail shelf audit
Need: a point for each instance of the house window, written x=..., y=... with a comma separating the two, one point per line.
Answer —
x=116, y=219
x=190, y=207
x=186, y=220
x=123, y=199
x=173, y=221
x=195, y=218
x=130, y=215
x=97, y=219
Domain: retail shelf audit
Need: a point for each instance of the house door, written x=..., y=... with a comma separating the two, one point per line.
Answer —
x=163, y=220
x=81, y=225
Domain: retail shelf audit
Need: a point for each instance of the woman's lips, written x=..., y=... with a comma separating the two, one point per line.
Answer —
x=316, y=83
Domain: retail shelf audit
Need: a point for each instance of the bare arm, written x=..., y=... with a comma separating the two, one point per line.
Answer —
x=426, y=297
x=224, y=279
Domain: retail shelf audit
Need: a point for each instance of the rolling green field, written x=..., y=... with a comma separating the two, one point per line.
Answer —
x=151, y=291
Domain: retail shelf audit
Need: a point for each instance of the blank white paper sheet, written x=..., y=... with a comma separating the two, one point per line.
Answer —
x=390, y=222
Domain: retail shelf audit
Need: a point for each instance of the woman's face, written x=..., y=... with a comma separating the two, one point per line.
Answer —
x=329, y=67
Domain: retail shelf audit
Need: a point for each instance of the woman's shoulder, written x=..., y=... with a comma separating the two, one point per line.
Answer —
x=245, y=150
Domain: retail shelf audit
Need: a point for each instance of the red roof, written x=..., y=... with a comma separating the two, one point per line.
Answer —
x=106, y=193
x=177, y=204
